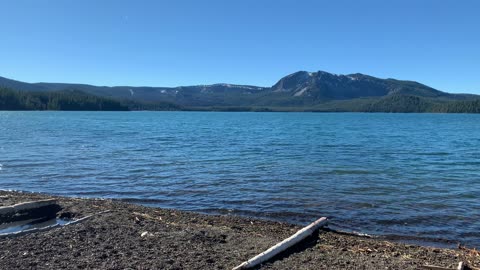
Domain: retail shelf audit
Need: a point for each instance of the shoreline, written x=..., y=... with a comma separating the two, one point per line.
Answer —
x=141, y=237
x=396, y=238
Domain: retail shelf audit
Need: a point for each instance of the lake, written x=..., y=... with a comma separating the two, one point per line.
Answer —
x=413, y=176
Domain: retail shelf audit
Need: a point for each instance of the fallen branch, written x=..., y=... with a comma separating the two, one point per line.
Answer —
x=460, y=266
x=85, y=218
x=282, y=246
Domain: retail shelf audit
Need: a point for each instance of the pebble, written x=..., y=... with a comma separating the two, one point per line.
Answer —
x=145, y=234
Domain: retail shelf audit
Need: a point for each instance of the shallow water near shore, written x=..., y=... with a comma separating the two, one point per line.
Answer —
x=16, y=227
x=389, y=174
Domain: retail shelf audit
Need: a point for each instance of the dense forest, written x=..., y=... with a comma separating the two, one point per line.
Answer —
x=470, y=106
x=62, y=100
x=388, y=104
x=151, y=106
x=410, y=103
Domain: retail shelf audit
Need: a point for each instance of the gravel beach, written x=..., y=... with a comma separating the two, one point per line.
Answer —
x=131, y=236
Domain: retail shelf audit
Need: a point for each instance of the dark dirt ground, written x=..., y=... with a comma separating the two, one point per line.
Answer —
x=182, y=240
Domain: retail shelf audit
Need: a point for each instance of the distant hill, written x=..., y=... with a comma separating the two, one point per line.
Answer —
x=300, y=91
x=200, y=95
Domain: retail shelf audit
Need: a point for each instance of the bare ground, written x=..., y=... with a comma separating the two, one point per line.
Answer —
x=137, y=237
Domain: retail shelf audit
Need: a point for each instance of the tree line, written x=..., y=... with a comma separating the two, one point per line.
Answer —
x=74, y=100
x=409, y=103
x=69, y=100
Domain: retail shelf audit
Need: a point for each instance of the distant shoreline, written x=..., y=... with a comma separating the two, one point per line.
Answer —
x=233, y=110
x=241, y=111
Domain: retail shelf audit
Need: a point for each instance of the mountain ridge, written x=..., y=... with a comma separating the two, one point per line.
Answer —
x=56, y=86
x=300, y=90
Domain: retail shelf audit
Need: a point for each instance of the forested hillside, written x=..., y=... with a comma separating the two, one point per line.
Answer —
x=63, y=100
x=409, y=103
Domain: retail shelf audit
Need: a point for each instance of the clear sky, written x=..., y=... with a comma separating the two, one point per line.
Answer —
x=179, y=42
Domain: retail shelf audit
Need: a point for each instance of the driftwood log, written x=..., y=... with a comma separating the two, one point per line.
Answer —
x=44, y=209
x=461, y=266
x=282, y=246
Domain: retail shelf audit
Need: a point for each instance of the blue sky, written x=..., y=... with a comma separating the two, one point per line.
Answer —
x=178, y=42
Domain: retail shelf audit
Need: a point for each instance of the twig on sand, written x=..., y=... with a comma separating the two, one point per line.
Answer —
x=147, y=216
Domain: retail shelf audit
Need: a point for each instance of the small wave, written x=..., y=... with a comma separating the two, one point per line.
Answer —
x=144, y=201
x=419, y=240
x=341, y=172
x=32, y=165
x=434, y=154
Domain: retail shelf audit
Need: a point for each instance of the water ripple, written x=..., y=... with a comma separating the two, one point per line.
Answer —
x=408, y=175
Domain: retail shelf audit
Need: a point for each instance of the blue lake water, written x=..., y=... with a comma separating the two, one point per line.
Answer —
x=414, y=175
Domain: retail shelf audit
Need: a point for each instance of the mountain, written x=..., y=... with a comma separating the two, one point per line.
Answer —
x=300, y=91
x=323, y=85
